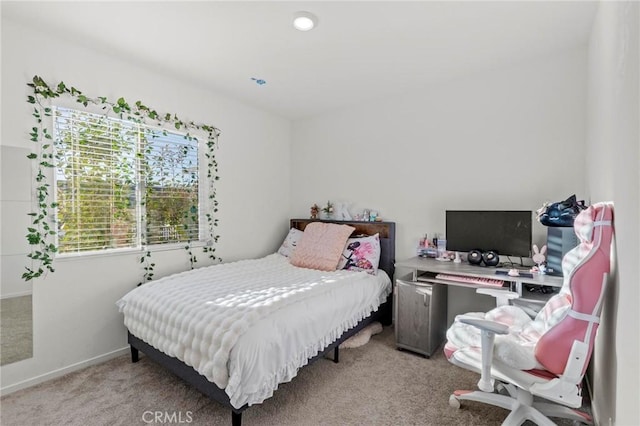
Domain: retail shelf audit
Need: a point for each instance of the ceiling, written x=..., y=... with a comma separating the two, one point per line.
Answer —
x=360, y=51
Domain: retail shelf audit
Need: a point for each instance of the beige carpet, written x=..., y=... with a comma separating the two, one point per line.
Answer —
x=374, y=384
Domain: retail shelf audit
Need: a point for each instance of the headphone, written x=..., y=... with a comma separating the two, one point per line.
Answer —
x=489, y=258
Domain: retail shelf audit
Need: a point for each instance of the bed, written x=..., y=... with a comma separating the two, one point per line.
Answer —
x=246, y=373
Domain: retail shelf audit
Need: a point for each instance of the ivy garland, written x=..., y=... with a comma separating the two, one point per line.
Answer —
x=42, y=228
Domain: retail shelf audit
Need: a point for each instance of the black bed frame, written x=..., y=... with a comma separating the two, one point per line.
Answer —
x=387, y=232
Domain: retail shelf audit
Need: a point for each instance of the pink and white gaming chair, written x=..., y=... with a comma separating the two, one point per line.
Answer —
x=545, y=357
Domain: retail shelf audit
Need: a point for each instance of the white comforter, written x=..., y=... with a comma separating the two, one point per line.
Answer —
x=249, y=325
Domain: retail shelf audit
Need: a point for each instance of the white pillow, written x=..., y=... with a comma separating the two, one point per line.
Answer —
x=290, y=242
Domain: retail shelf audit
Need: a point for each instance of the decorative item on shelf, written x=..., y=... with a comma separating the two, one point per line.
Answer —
x=328, y=210
x=441, y=247
x=315, y=210
x=539, y=259
x=423, y=243
x=342, y=212
x=561, y=213
x=426, y=248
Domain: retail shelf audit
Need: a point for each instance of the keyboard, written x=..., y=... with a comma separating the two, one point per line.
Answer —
x=492, y=282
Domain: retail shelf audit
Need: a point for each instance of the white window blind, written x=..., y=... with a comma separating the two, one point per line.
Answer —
x=121, y=184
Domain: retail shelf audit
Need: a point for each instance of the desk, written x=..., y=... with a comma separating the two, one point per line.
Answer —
x=421, y=324
x=425, y=269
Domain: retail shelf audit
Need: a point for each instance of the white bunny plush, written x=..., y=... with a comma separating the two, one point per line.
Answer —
x=538, y=255
x=342, y=212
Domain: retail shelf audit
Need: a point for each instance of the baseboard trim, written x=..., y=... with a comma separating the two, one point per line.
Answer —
x=62, y=371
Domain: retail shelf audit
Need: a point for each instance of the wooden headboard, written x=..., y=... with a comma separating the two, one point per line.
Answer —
x=386, y=230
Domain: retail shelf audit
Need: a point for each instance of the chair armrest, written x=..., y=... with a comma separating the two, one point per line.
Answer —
x=502, y=296
x=489, y=329
x=485, y=325
x=498, y=293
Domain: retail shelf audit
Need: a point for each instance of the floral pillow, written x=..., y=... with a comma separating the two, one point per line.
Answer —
x=361, y=254
x=290, y=242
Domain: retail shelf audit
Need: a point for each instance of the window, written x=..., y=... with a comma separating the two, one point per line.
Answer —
x=121, y=184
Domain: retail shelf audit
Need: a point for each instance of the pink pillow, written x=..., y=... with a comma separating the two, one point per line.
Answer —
x=321, y=246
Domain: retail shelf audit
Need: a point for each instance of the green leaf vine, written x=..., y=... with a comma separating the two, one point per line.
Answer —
x=147, y=266
x=42, y=231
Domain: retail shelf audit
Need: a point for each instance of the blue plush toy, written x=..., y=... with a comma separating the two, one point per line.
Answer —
x=561, y=213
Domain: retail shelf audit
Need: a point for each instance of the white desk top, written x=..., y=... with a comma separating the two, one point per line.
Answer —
x=426, y=264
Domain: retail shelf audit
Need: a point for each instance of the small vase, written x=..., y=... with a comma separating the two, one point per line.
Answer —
x=328, y=216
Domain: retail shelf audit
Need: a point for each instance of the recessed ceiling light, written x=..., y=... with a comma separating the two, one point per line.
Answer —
x=304, y=21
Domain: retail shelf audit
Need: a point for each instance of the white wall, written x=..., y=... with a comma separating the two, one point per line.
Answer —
x=509, y=138
x=75, y=317
x=613, y=164
x=15, y=199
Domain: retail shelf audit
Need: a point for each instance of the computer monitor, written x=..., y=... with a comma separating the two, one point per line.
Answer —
x=508, y=232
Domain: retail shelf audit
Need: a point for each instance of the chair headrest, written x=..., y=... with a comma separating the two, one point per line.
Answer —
x=598, y=214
